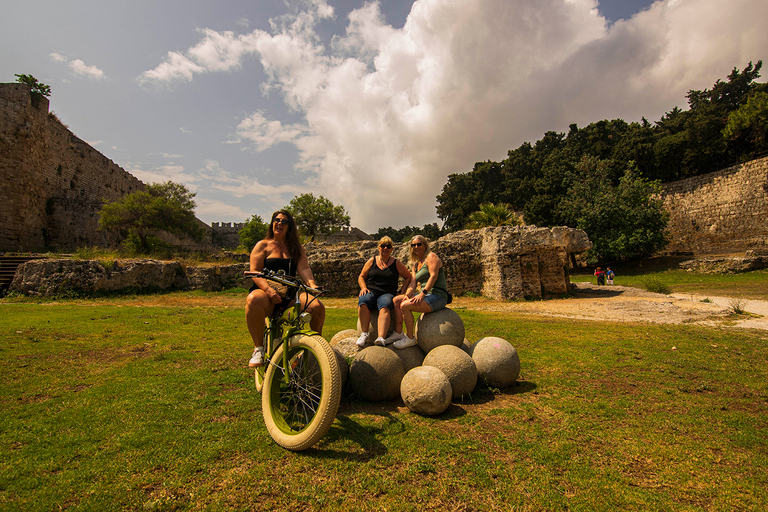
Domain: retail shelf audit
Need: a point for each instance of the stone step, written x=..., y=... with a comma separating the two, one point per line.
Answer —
x=8, y=267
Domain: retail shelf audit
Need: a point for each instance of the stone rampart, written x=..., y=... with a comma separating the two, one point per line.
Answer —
x=720, y=212
x=53, y=183
x=502, y=263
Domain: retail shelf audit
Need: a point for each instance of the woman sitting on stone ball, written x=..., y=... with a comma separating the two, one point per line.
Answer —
x=429, y=273
x=378, y=286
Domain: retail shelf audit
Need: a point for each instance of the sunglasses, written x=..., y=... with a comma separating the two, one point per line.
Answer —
x=385, y=246
x=417, y=244
x=281, y=221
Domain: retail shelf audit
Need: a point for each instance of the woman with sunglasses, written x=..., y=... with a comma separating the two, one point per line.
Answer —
x=429, y=273
x=378, y=286
x=279, y=250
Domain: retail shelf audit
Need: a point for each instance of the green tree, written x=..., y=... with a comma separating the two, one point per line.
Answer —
x=254, y=230
x=749, y=124
x=32, y=82
x=491, y=215
x=317, y=215
x=161, y=207
x=623, y=221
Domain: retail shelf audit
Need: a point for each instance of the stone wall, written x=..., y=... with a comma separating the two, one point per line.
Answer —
x=502, y=263
x=720, y=212
x=53, y=182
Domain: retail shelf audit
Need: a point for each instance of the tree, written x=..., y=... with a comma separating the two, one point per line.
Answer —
x=142, y=214
x=623, y=221
x=32, y=82
x=492, y=215
x=253, y=231
x=317, y=215
x=749, y=124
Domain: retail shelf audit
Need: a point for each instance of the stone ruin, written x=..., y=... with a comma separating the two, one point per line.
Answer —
x=501, y=263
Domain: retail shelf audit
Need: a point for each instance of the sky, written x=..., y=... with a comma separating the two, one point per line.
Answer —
x=250, y=103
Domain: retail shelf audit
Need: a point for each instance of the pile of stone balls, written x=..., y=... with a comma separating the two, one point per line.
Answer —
x=443, y=365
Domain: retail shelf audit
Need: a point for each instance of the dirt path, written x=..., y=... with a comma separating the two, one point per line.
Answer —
x=628, y=304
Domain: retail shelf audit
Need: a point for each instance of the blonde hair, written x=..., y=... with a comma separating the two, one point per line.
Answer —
x=412, y=255
x=386, y=240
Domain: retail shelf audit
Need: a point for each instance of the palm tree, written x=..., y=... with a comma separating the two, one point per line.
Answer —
x=491, y=215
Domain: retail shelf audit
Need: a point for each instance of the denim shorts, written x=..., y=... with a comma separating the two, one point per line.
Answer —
x=376, y=302
x=435, y=301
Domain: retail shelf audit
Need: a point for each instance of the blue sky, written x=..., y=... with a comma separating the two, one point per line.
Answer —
x=373, y=105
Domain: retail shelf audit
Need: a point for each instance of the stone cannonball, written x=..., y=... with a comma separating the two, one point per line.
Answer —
x=343, y=366
x=375, y=374
x=457, y=365
x=497, y=361
x=426, y=390
x=347, y=346
x=443, y=327
x=346, y=333
x=411, y=356
x=374, y=327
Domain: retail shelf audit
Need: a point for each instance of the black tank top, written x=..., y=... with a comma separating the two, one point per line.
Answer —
x=287, y=265
x=383, y=280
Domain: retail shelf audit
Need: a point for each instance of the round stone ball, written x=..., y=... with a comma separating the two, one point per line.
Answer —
x=411, y=356
x=347, y=346
x=426, y=390
x=442, y=327
x=457, y=365
x=375, y=374
x=373, y=328
x=466, y=346
x=497, y=361
x=346, y=333
x=341, y=360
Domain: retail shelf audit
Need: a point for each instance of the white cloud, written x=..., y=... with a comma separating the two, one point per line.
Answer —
x=389, y=113
x=79, y=67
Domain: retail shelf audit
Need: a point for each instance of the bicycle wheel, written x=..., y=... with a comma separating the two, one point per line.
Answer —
x=300, y=412
x=260, y=377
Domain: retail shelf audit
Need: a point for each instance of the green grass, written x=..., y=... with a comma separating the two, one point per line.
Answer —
x=121, y=405
x=749, y=285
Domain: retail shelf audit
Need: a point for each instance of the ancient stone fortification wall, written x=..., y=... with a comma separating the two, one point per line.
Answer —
x=52, y=182
x=503, y=263
x=719, y=212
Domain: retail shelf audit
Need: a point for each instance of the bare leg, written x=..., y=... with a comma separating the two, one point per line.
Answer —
x=398, y=313
x=384, y=317
x=257, y=308
x=317, y=310
x=408, y=308
x=364, y=314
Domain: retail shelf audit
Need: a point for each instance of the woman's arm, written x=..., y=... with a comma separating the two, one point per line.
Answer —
x=257, y=260
x=304, y=271
x=363, y=276
x=406, y=275
x=433, y=264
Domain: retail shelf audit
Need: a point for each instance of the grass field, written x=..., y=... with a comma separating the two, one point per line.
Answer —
x=145, y=403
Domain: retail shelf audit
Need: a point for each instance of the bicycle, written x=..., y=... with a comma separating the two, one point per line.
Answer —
x=300, y=381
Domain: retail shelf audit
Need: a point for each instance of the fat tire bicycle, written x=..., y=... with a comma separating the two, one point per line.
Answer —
x=300, y=382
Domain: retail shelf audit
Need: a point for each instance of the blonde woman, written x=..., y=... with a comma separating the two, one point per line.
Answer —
x=378, y=285
x=429, y=274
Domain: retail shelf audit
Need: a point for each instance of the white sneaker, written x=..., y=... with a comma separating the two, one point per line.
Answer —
x=362, y=340
x=380, y=341
x=257, y=359
x=405, y=342
x=395, y=336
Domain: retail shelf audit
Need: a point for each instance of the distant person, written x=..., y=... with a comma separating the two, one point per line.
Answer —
x=609, y=275
x=279, y=250
x=378, y=286
x=428, y=272
x=600, y=276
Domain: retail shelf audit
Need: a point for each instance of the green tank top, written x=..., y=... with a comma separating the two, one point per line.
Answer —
x=440, y=287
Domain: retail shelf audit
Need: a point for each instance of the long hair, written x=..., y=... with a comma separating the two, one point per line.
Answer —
x=412, y=256
x=291, y=236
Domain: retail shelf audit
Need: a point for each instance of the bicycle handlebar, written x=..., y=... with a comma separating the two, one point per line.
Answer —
x=287, y=280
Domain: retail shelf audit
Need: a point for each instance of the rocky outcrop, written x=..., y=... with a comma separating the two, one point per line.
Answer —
x=56, y=277
x=752, y=260
x=502, y=263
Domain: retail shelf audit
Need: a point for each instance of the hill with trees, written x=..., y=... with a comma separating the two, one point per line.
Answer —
x=602, y=178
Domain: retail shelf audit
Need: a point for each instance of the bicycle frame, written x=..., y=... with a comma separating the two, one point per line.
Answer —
x=283, y=324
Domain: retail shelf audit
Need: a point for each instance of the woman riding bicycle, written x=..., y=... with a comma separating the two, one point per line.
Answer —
x=279, y=250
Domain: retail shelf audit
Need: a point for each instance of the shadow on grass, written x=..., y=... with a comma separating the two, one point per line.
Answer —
x=367, y=436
